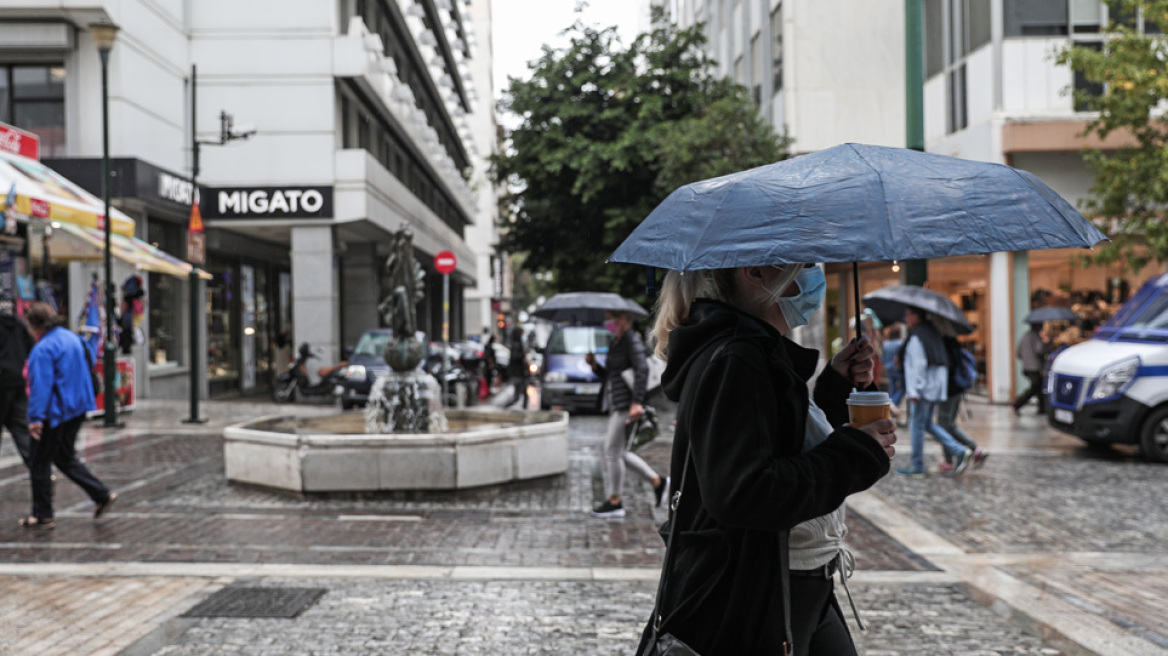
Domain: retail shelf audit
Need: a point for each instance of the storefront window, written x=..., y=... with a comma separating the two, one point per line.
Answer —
x=222, y=342
x=164, y=300
x=33, y=98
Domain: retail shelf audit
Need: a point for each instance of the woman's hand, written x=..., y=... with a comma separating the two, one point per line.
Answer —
x=636, y=411
x=857, y=362
x=884, y=432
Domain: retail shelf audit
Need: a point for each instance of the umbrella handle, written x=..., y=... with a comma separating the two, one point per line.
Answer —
x=856, y=298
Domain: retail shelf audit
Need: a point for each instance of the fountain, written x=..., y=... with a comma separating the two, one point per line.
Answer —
x=405, y=440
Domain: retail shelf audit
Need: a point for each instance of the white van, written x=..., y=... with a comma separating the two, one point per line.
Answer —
x=1113, y=388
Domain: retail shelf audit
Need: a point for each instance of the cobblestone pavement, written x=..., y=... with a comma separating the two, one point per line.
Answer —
x=1049, y=549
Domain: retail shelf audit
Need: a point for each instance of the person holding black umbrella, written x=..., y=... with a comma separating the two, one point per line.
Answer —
x=1031, y=351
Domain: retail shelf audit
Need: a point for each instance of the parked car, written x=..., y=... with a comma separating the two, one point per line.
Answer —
x=566, y=379
x=1113, y=388
x=365, y=363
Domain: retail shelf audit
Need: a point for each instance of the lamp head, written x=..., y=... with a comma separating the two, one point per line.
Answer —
x=104, y=35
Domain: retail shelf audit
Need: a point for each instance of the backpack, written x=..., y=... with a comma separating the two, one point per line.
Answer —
x=964, y=369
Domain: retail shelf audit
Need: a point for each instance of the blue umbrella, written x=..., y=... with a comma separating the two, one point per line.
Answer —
x=855, y=203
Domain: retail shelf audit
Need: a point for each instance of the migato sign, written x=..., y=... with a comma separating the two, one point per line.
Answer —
x=267, y=202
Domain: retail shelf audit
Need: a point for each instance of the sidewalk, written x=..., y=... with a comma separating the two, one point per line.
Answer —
x=1048, y=549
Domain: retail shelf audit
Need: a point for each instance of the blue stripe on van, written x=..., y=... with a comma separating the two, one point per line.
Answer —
x=1156, y=370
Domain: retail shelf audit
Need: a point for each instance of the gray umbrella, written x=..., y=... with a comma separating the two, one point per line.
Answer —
x=889, y=304
x=586, y=307
x=1051, y=314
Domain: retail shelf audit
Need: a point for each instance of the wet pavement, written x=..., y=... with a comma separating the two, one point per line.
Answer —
x=1048, y=549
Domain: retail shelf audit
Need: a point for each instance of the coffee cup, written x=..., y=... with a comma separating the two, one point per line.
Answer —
x=867, y=407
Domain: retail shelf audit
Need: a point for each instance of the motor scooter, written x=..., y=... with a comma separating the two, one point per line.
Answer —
x=295, y=379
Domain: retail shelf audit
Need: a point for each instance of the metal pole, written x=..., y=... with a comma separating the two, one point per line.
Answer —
x=110, y=360
x=915, y=271
x=445, y=328
x=193, y=350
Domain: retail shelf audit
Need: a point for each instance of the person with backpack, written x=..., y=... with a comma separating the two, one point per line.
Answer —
x=962, y=376
x=60, y=393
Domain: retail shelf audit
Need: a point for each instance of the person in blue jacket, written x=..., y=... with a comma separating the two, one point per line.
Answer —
x=60, y=393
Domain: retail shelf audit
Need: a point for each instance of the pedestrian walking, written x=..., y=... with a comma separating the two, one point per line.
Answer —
x=61, y=392
x=926, y=381
x=517, y=368
x=893, y=368
x=949, y=409
x=754, y=459
x=15, y=344
x=1032, y=352
x=623, y=404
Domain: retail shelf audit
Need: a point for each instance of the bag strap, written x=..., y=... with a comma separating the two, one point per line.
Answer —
x=785, y=576
x=669, y=550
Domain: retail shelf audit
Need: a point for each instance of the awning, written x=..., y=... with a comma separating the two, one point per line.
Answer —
x=71, y=243
x=40, y=192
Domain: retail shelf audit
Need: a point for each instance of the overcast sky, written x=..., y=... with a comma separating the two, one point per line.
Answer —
x=521, y=27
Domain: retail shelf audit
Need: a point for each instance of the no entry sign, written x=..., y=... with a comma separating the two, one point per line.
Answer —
x=445, y=262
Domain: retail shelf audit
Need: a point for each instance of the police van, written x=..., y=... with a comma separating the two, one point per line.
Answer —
x=1113, y=388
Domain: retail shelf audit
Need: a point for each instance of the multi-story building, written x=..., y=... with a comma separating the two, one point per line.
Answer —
x=368, y=115
x=833, y=72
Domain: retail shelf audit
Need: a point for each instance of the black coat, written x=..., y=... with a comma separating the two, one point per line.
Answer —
x=15, y=344
x=626, y=351
x=743, y=404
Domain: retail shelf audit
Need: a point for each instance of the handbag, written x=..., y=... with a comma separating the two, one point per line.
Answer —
x=642, y=431
x=656, y=368
x=667, y=644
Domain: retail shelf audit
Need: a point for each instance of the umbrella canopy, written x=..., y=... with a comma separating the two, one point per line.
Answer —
x=586, y=307
x=855, y=203
x=889, y=304
x=1051, y=314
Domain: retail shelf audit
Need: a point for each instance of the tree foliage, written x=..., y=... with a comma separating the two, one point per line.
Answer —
x=1130, y=192
x=605, y=133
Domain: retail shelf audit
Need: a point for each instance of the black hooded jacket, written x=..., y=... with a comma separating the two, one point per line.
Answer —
x=15, y=344
x=743, y=405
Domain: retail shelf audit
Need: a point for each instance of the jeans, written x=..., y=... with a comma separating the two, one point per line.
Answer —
x=947, y=419
x=895, y=385
x=14, y=417
x=616, y=458
x=921, y=420
x=57, y=447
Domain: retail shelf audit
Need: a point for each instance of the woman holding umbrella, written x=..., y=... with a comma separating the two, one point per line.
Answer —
x=755, y=458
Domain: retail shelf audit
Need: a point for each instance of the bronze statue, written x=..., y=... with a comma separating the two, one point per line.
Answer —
x=403, y=352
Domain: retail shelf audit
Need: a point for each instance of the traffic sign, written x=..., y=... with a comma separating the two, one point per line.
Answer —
x=445, y=262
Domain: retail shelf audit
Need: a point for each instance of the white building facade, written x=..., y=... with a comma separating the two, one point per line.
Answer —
x=368, y=115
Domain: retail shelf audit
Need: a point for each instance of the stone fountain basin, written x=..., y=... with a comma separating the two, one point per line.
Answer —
x=334, y=454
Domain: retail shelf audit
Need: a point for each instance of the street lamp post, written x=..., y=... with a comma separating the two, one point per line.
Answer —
x=104, y=35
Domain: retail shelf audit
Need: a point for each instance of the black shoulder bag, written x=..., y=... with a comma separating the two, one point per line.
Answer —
x=666, y=644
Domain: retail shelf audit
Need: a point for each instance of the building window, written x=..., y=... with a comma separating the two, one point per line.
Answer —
x=1086, y=16
x=756, y=65
x=164, y=298
x=934, y=26
x=1081, y=84
x=777, y=48
x=979, y=23
x=1035, y=17
x=958, y=113
x=33, y=98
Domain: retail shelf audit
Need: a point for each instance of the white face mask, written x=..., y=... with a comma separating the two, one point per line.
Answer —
x=797, y=310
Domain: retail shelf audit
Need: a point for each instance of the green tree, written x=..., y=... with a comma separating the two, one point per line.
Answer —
x=1130, y=191
x=605, y=133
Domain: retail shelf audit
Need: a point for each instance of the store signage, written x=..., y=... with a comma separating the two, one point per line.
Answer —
x=445, y=262
x=39, y=208
x=18, y=142
x=268, y=203
x=175, y=189
x=196, y=247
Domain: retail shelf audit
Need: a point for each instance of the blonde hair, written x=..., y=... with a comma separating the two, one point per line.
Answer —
x=681, y=288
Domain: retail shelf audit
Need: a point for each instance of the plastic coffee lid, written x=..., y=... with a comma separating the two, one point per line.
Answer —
x=869, y=398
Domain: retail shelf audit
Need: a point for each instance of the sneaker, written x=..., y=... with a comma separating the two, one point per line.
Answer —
x=608, y=510
x=105, y=505
x=945, y=468
x=660, y=491
x=979, y=457
x=962, y=461
x=909, y=471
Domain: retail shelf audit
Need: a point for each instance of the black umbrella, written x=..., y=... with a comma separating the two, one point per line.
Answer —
x=586, y=307
x=1051, y=314
x=889, y=304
